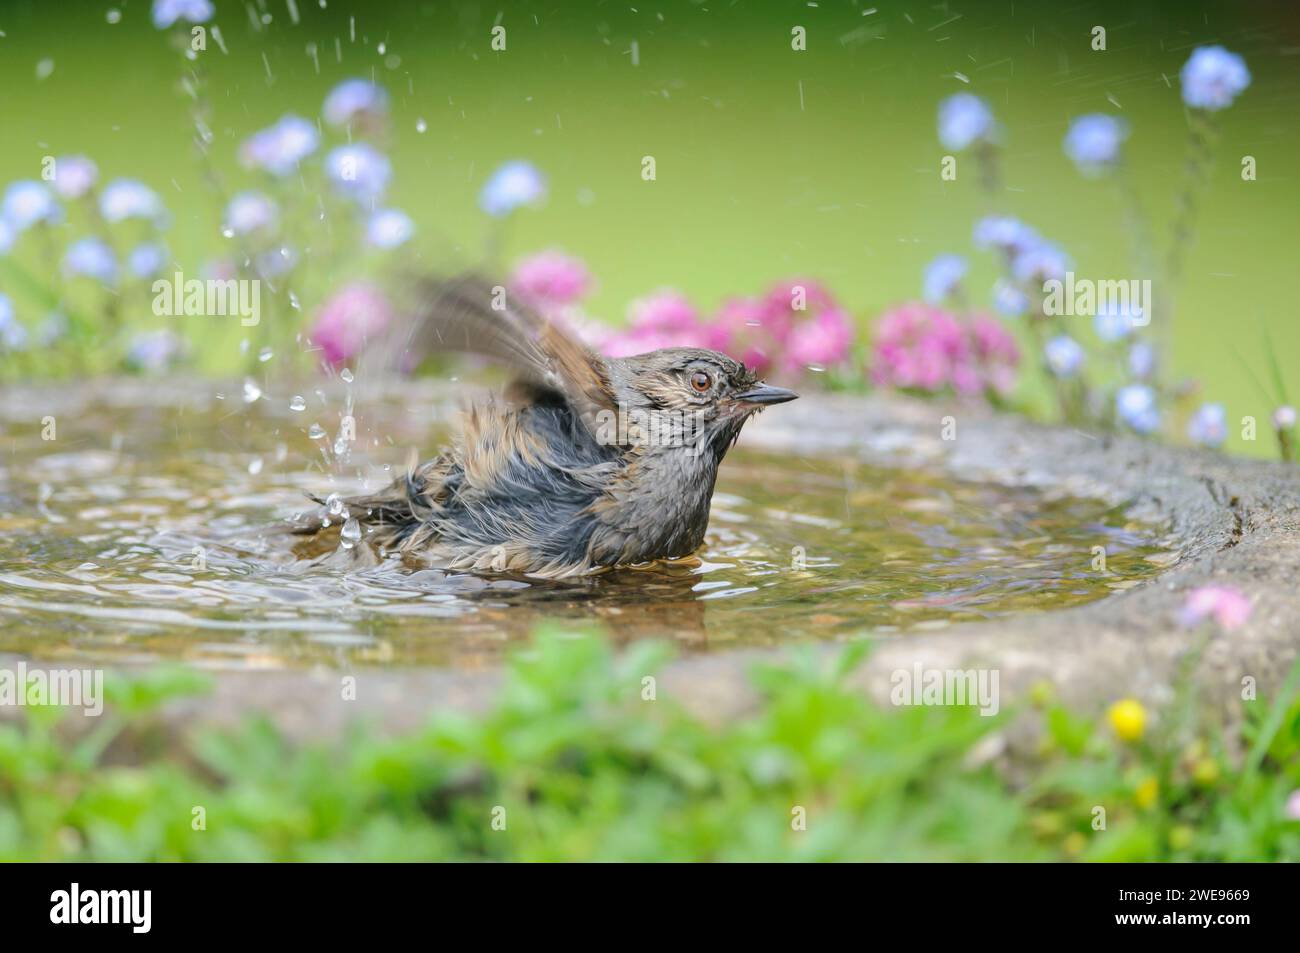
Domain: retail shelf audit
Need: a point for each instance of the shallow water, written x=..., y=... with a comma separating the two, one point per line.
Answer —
x=139, y=532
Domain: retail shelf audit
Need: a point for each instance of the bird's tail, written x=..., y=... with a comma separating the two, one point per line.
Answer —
x=386, y=516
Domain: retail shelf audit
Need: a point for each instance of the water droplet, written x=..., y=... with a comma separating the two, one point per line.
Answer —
x=421, y=125
x=252, y=392
x=341, y=446
x=316, y=432
x=114, y=16
x=334, y=505
x=294, y=302
x=351, y=533
x=265, y=354
x=383, y=48
x=255, y=466
x=228, y=232
x=298, y=403
x=347, y=375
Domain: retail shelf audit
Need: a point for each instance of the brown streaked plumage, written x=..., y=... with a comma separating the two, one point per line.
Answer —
x=584, y=463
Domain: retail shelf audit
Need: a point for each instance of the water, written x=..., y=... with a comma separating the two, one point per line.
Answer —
x=140, y=532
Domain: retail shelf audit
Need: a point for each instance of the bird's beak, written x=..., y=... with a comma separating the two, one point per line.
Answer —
x=764, y=394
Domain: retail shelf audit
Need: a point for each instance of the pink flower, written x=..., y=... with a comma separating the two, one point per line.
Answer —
x=923, y=347
x=797, y=322
x=349, y=320
x=1228, y=607
x=792, y=301
x=1293, y=806
x=821, y=342
x=667, y=311
x=550, y=280
x=743, y=329
x=914, y=347
x=663, y=319
x=634, y=341
x=812, y=326
x=997, y=351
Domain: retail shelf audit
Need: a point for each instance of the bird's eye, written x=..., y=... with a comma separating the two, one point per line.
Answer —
x=701, y=381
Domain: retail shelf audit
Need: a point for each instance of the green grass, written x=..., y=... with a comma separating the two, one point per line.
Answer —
x=586, y=769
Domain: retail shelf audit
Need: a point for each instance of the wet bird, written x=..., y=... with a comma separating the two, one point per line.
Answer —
x=583, y=464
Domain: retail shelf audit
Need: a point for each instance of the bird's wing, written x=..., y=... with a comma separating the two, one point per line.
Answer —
x=465, y=314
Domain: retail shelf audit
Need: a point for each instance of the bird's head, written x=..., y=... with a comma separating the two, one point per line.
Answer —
x=692, y=393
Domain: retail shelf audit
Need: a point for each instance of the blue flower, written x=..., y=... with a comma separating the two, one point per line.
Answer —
x=389, y=228
x=52, y=329
x=91, y=258
x=7, y=237
x=1004, y=233
x=13, y=336
x=354, y=98
x=510, y=186
x=28, y=202
x=127, y=198
x=1040, y=262
x=1136, y=406
x=964, y=119
x=942, y=276
x=359, y=171
x=279, y=148
x=1094, y=142
x=1010, y=300
x=1209, y=425
x=1141, y=360
x=74, y=176
x=276, y=262
x=1212, y=78
x=250, y=212
x=1064, y=356
x=154, y=350
x=167, y=12
x=147, y=260
x=1114, y=323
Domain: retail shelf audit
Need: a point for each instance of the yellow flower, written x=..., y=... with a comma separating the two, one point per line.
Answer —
x=1146, y=793
x=1074, y=844
x=1128, y=718
x=1047, y=824
x=1180, y=838
x=1040, y=694
x=1206, y=772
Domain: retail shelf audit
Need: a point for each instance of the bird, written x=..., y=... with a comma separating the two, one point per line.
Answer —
x=583, y=464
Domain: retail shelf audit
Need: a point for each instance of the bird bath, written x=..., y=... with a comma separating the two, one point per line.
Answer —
x=137, y=534
x=140, y=533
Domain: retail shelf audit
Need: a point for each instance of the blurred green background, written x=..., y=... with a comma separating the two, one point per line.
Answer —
x=771, y=162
